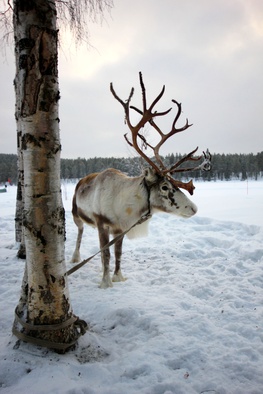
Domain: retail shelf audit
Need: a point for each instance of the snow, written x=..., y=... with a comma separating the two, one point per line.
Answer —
x=187, y=320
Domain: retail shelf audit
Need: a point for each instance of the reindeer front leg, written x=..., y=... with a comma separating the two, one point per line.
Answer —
x=117, y=276
x=76, y=255
x=105, y=257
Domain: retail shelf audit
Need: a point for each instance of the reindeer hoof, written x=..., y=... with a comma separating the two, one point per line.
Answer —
x=118, y=277
x=75, y=258
x=74, y=261
x=106, y=283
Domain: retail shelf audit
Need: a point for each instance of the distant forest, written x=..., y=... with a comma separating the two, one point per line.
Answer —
x=224, y=167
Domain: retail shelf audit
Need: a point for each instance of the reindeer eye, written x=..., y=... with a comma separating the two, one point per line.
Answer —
x=165, y=188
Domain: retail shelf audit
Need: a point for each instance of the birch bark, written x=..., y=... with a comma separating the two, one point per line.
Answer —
x=45, y=295
x=19, y=229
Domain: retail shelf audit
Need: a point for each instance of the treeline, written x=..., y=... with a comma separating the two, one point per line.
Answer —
x=8, y=168
x=224, y=167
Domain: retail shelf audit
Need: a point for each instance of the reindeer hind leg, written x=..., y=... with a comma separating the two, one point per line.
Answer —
x=117, y=276
x=105, y=257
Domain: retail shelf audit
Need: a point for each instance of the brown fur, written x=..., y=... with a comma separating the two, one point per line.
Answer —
x=86, y=180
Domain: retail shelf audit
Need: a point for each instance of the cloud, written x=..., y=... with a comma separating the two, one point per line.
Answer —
x=207, y=53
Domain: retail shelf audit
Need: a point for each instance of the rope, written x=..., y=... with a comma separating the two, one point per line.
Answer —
x=113, y=241
x=79, y=324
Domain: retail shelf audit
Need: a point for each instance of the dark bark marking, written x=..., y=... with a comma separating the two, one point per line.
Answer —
x=46, y=296
x=21, y=254
x=36, y=233
x=38, y=195
x=39, y=61
x=25, y=5
x=53, y=279
x=19, y=136
x=57, y=148
x=25, y=43
x=58, y=220
x=65, y=304
x=44, y=12
x=19, y=195
x=48, y=59
x=22, y=62
x=29, y=139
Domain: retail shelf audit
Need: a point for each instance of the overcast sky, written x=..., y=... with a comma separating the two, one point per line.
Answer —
x=208, y=54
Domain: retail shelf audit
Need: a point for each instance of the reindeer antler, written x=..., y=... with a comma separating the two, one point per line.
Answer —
x=148, y=116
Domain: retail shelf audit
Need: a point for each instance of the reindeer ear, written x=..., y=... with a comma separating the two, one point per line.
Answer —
x=150, y=175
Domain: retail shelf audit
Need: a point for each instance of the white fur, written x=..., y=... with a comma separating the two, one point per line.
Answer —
x=121, y=199
x=114, y=202
x=114, y=196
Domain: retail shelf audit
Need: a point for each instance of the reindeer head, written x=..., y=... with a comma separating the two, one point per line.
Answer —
x=148, y=116
x=166, y=197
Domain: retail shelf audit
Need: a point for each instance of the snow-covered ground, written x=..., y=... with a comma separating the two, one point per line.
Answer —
x=189, y=319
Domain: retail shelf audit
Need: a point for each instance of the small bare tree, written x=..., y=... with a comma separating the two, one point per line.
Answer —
x=44, y=315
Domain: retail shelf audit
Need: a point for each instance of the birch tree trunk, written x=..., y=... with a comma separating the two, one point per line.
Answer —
x=19, y=229
x=45, y=296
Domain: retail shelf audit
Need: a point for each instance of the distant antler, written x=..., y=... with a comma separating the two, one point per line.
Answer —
x=148, y=116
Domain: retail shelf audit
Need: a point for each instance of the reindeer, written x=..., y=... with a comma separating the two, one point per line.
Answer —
x=113, y=202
